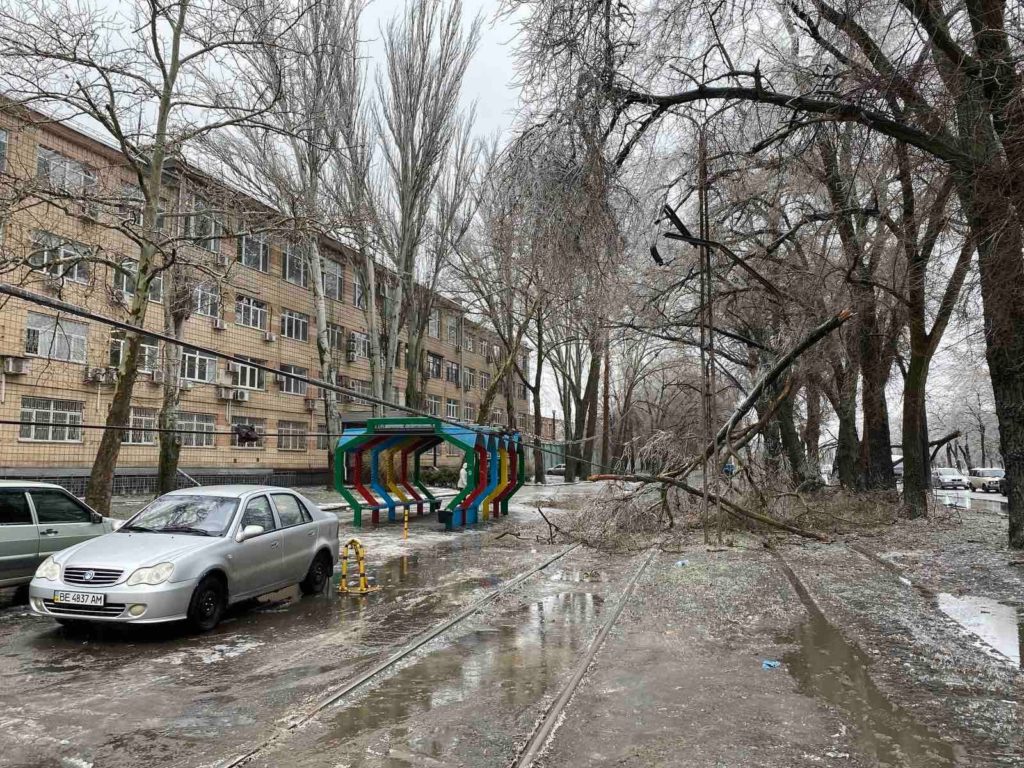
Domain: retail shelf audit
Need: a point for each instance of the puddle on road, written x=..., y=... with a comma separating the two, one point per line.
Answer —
x=998, y=625
x=827, y=666
x=498, y=669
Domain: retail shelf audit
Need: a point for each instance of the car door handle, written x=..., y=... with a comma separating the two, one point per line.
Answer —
x=311, y=533
x=274, y=543
x=49, y=532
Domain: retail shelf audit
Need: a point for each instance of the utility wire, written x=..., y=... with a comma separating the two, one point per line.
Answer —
x=63, y=306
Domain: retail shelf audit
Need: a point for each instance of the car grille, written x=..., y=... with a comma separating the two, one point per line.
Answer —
x=100, y=577
x=64, y=609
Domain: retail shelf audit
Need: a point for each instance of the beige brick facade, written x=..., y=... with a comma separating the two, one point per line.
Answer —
x=61, y=358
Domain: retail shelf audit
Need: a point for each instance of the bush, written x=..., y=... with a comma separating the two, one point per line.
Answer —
x=440, y=477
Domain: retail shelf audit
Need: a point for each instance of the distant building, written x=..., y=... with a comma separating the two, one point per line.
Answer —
x=58, y=372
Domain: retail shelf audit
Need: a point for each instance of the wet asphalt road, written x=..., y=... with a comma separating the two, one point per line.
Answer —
x=159, y=696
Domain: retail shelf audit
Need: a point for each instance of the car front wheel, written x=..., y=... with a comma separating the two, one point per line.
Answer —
x=317, y=576
x=207, y=605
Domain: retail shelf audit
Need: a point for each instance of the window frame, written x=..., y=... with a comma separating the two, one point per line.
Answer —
x=293, y=320
x=145, y=429
x=248, y=308
x=295, y=433
x=62, y=326
x=292, y=255
x=290, y=385
x=188, y=353
x=188, y=420
x=68, y=425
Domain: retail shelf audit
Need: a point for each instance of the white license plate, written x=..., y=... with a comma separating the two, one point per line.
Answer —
x=79, y=598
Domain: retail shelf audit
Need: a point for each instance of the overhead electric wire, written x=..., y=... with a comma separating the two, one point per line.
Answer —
x=63, y=306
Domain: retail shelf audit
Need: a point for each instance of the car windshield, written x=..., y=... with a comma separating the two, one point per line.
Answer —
x=195, y=515
x=991, y=473
x=947, y=471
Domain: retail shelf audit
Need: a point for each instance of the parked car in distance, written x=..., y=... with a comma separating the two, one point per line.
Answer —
x=190, y=554
x=38, y=520
x=897, y=466
x=558, y=469
x=986, y=479
x=947, y=478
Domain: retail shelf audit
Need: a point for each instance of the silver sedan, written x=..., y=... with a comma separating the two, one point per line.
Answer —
x=189, y=555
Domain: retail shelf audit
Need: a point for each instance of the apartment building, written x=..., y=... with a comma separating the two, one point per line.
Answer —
x=254, y=301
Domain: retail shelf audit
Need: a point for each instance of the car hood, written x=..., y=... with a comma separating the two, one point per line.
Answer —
x=128, y=551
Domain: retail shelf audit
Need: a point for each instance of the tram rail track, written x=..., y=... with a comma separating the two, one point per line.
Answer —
x=405, y=651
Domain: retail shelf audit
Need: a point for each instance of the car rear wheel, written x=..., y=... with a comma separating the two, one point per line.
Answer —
x=317, y=576
x=208, y=603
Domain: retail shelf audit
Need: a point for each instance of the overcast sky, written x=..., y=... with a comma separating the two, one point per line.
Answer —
x=489, y=80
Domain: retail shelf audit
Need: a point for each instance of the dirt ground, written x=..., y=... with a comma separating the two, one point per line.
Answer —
x=873, y=650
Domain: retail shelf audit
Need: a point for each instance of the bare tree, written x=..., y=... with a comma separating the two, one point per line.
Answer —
x=150, y=77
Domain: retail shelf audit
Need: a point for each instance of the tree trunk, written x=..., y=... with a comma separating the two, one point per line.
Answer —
x=848, y=445
x=812, y=431
x=997, y=231
x=915, y=438
x=876, y=446
x=325, y=354
x=790, y=439
x=539, y=457
x=175, y=315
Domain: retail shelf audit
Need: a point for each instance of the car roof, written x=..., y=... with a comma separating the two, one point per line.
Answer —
x=233, y=491
x=28, y=484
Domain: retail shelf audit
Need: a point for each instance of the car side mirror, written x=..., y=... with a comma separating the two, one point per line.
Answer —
x=96, y=517
x=248, y=532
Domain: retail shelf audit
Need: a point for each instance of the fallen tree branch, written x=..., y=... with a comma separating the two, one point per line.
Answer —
x=764, y=382
x=734, y=509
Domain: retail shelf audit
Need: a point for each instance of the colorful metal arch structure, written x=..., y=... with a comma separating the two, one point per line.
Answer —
x=495, y=469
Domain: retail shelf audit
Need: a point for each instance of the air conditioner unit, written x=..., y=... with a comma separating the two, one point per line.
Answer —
x=52, y=283
x=270, y=336
x=310, y=404
x=219, y=324
x=241, y=396
x=185, y=384
x=351, y=356
x=157, y=377
x=234, y=368
x=16, y=366
x=111, y=374
x=118, y=298
x=225, y=393
x=222, y=260
x=95, y=375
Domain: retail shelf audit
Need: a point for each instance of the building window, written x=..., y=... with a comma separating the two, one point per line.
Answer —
x=497, y=416
x=248, y=376
x=206, y=301
x=453, y=373
x=334, y=280
x=434, y=364
x=323, y=440
x=468, y=341
x=434, y=324
x=468, y=378
x=259, y=425
x=397, y=396
x=57, y=339
x=59, y=257
x=361, y=344
x=251, y=312
x=254, y=252
x=125, y=278
x=524, y=392
x=433, y=403
x=195, y=366
x=294, y=325
x=149, y=352
x=295, y=266
x=64, y=174
x=453, y=330
x=358, y=291
x=197, y=430
x=204, y=225
x=3, y=150
x=142, y=423
x=485, y=380
x=52, y=421
x=469, y=413
x=452, y=450
x=293, y=386
x=451, y=409
x=336, y=337
x=291, y=436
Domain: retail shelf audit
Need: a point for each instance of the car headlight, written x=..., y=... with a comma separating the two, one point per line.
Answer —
x=49, y=570
x=156, y=574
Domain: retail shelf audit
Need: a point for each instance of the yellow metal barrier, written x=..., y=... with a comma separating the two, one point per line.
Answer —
x=354, y=546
